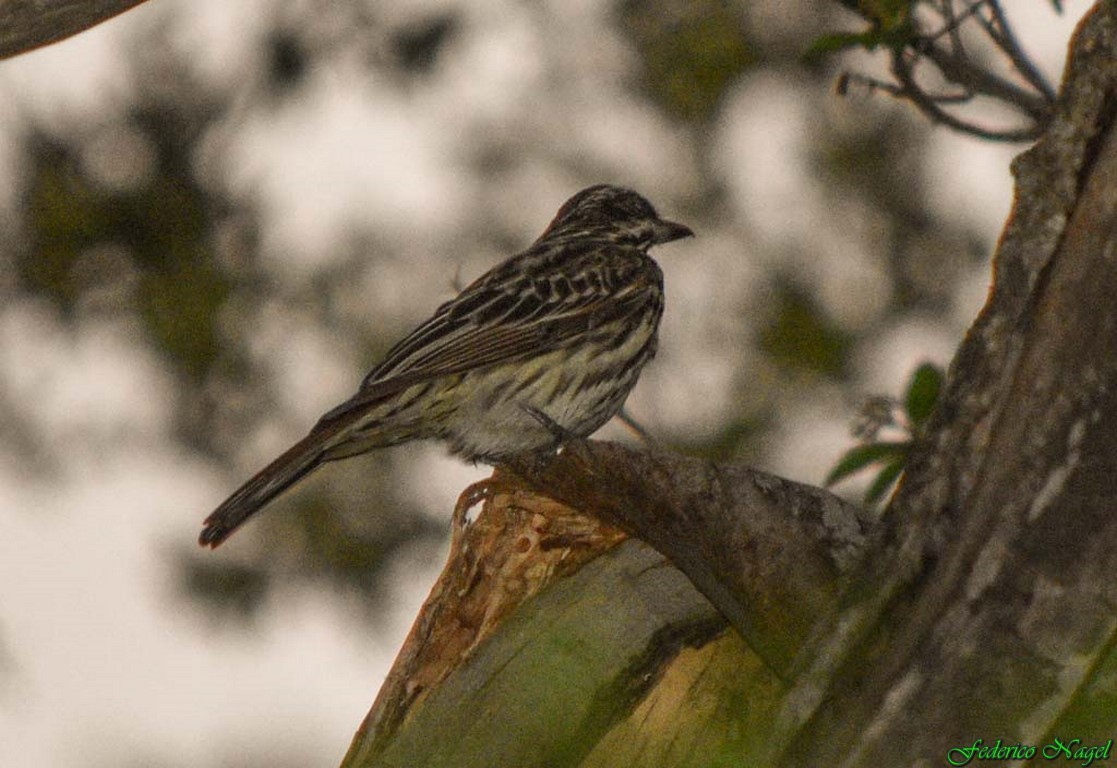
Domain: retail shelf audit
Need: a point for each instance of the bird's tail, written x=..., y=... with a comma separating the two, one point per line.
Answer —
x=296, y=463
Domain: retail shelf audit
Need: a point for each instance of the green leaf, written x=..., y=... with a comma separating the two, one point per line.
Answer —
x=800, y=334
x=923, y=393
x=691, y=53
x=885, y=480
x=861, y=456
x=840, y=41
x=890, y=26
x=889, y=14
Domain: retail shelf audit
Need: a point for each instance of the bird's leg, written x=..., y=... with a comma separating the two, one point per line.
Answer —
x=560, y=433
x=625, y=418
x=483, y=490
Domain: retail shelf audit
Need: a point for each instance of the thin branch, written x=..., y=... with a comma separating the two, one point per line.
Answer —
x=958, y=69
x=953, y=29
x=953, y=22
x=1006, y=40
x=946, y=51
x=911, y=90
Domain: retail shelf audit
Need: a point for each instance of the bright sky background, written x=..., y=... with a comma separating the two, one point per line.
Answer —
x=101, y=662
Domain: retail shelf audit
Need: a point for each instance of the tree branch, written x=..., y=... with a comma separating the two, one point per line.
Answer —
x=548, y=614
x=1001, y=32
x=29, y=24
x=764, y=550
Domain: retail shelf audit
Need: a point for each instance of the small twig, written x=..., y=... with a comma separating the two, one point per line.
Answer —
x=1007, y=42
x=953, y=22
x=961, y=71
x=869, y=82
x=945, y=50
x=873, y=84
x=922, y=101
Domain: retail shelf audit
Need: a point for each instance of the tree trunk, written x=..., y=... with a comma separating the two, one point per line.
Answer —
x=985, y=609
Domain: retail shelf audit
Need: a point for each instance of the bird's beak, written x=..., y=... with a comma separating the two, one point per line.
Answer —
x=666, y=231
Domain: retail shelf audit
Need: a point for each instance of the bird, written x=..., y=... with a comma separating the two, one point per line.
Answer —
x=541, y=349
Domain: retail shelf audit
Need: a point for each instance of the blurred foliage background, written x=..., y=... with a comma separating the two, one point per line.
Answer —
x=139, y=222
x=269, y=196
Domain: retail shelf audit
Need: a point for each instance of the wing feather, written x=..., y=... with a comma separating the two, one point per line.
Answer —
x=496, y=321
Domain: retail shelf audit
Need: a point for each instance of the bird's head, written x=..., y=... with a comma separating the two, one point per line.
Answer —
x=617, y=214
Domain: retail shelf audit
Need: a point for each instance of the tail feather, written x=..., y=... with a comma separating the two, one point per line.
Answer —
x=296, y=463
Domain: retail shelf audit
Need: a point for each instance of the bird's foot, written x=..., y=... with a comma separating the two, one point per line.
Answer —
x=561, y=434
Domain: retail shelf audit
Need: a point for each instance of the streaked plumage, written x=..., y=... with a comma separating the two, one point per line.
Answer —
x=549, y=342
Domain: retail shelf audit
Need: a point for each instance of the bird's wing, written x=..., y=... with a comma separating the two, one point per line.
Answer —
x=503, y=320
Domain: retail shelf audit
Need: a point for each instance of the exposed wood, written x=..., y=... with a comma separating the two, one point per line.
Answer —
x=765, y=551
x=550, y=639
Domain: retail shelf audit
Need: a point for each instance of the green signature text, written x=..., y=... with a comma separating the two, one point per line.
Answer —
x=1072, y=750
